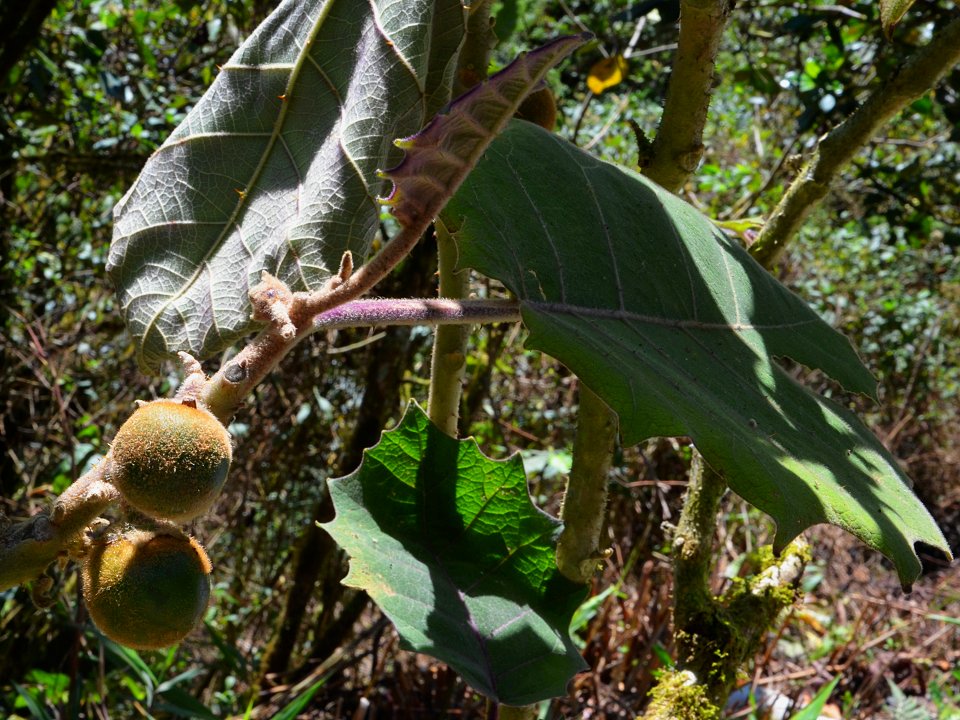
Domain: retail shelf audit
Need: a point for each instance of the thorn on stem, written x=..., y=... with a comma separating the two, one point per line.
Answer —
x=191, y=365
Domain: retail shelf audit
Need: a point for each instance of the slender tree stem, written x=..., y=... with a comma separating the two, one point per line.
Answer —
x=838, y=147
x=585, y=500
x=692, y=547
x=715, y=635
x=449, y=360
x=675, y=154
x=678, y=146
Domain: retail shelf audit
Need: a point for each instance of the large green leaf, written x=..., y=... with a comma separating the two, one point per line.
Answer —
x=450, y=546
x=275, y=167
x=676, y=328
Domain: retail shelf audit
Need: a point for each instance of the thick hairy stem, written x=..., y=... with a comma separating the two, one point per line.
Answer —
x=838, y=147
x=676, y=152
x=28, y=548
x=226, y=390
x=449, y=360
x=404, y=311
x=678, y=146
x=450, y=343
x=585, y=500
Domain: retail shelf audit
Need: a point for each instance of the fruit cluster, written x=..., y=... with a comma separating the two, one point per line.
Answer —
x=147, y=587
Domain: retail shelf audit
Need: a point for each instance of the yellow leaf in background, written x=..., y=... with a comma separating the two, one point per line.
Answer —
x=606, y=73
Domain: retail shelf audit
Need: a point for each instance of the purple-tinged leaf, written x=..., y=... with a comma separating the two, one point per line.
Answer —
x=439, y=157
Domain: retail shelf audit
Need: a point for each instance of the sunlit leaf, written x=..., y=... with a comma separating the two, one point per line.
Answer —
x=892, y=12
x=676, y=328
x=275, y=168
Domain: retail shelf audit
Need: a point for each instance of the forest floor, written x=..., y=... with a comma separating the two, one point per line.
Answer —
x=897, y=654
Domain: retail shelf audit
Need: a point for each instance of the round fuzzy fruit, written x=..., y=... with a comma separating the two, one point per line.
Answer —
x=539, y=107
x=146, y=590
x=170, y=460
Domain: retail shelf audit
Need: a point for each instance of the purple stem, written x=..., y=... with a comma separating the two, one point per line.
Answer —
x=391, y=311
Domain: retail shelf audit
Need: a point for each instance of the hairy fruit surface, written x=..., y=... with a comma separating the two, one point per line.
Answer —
x=170, y=460
x=540, y=108
x=146, y=590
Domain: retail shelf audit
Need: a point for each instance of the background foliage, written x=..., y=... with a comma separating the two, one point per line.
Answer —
x=97, y=87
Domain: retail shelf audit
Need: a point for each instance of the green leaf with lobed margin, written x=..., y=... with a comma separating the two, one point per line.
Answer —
x=452, y=549
x=676, y=328
x=276, y=167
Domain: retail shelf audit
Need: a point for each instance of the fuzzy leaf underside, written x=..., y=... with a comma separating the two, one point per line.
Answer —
x=438, y=158
x=275, y=168
x=449, y=545
x=676, y=328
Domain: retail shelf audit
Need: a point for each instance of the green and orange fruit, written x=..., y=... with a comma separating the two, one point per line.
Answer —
x=146, y=590
x=170, y=460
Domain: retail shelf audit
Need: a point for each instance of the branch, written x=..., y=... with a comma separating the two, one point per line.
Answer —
x=678, y=147
x=921, y=72
x=585, y=497
x=692, y=546
x=440, y=311
x=676, y=152
x=235, y=379
x=418, y=197
x=716, y=634
x=448, y=363
x=27, y=549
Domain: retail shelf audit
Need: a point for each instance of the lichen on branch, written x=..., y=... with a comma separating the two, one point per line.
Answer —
x=716, y=634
